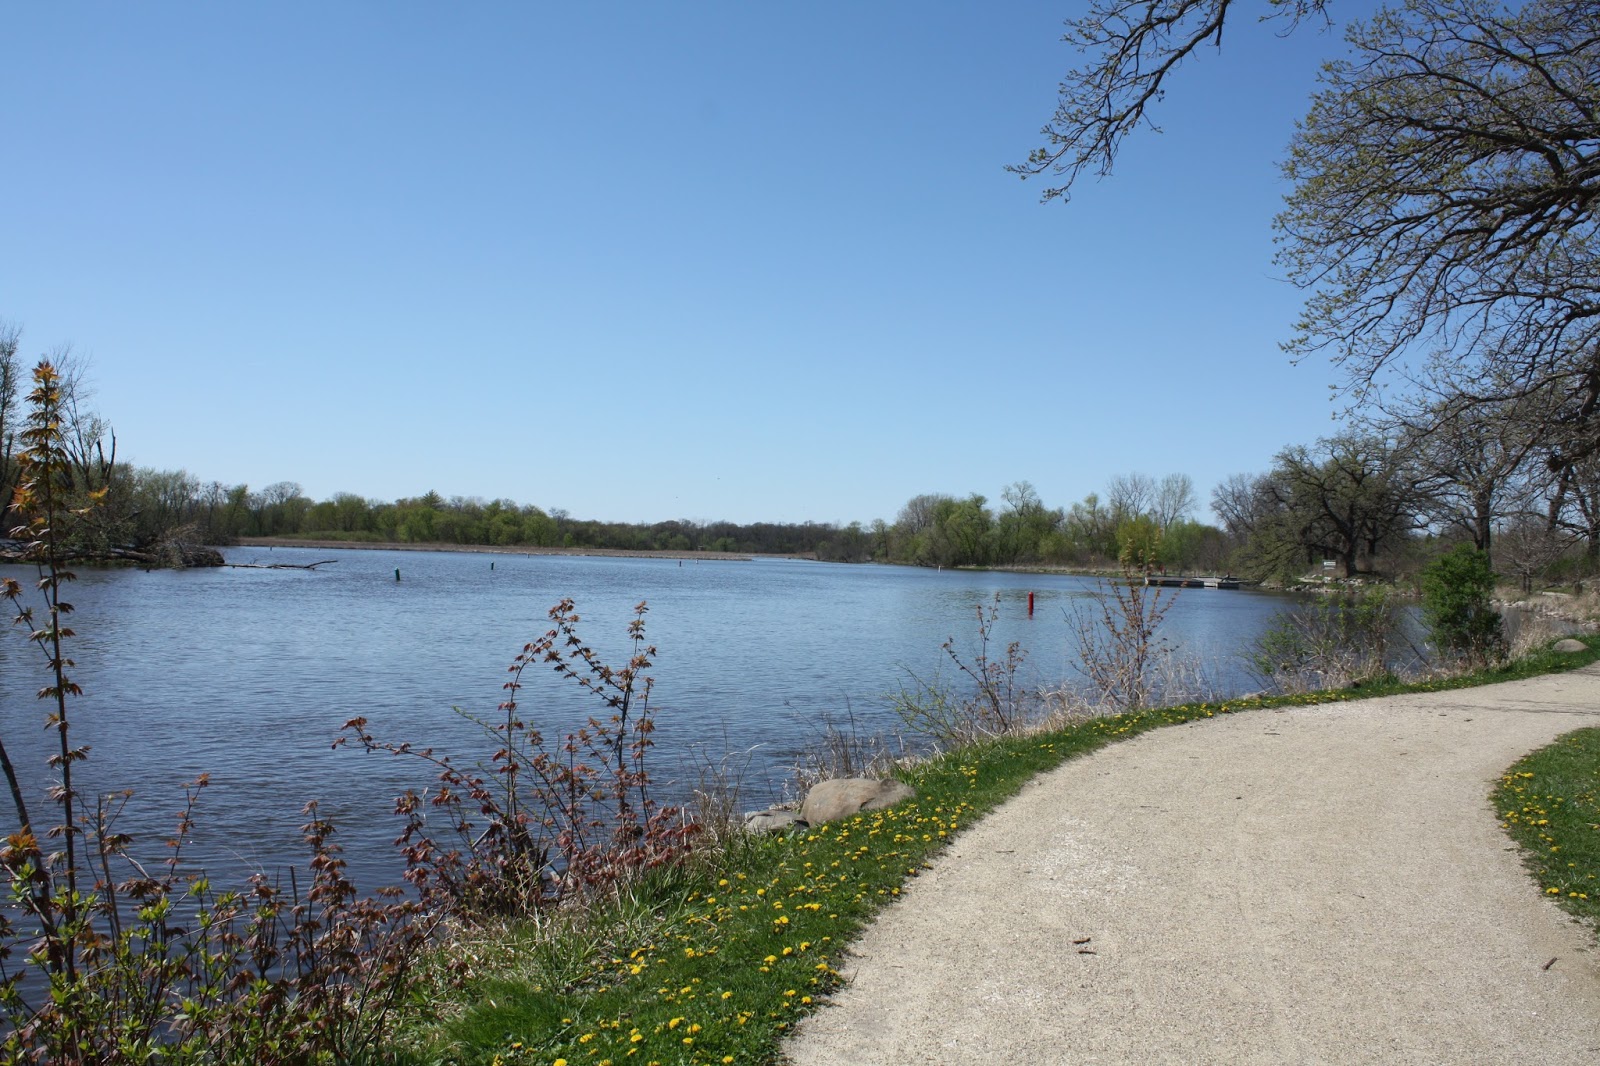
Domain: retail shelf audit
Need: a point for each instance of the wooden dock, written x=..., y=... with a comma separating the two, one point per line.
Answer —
x=1168, y=582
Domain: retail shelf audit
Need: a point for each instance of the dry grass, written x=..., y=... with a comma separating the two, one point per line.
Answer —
x=840, y=748
x=1525, y=632
x=717, y=784
x=1577, y=608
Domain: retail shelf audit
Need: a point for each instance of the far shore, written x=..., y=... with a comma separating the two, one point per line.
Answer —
x=509, y=549
x=629, y=553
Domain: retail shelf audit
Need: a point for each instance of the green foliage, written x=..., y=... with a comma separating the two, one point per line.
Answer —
x=1343, y=499
x=1138, y=541
x=1457, y=592
x=1147, y=518
x=154, y=517
x=1187, y=545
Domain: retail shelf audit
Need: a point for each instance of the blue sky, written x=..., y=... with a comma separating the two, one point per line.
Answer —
x=641, y=261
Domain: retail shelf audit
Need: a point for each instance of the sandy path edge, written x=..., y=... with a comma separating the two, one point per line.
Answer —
x=1319, y=884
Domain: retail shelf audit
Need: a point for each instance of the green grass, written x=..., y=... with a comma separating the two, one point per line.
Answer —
x=716, y=962
x=1550, y=804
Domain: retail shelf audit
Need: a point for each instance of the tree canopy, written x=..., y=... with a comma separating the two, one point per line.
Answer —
x=1344, y=500
x=1442, y=208
x=1440, y=219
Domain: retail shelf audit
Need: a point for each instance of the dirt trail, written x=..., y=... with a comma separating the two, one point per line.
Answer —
x=1317, y=885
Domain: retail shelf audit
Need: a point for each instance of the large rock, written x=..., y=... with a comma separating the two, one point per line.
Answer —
x=843, y=796
x=1569, y=645
x=775, y=820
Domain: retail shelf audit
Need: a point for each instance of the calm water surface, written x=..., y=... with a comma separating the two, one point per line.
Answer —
x=248, y=674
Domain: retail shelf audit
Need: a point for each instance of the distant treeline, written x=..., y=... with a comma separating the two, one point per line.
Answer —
x=223, y=514
x=152, y=513
x=1363, y=501
x=931, y=530
x=1347, y=505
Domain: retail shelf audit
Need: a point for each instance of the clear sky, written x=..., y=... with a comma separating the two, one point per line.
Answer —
x=733, y=260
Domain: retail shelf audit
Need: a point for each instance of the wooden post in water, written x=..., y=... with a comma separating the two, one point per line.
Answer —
x=397, y=573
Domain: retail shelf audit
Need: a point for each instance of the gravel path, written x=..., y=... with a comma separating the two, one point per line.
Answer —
x=1317, y=885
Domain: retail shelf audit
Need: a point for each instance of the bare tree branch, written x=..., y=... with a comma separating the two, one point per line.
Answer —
x=1129, y=49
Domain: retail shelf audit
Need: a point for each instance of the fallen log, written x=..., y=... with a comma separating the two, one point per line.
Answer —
x=280, y=566
x=175, y=557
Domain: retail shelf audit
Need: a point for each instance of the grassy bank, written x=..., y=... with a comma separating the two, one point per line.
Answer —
x=1550, y=804
x=716, y=962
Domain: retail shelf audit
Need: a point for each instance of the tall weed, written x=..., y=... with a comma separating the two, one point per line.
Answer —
x=841, y=748
x=105, y=959
x=1120, y=649
x=992, y=700
x=542, y=821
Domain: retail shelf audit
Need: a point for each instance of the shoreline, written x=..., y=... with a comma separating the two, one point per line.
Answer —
x=514, y=549
x=1040, y=569
x=637, y=553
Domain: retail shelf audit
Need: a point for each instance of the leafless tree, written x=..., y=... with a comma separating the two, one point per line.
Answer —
x=1442, y=215
x=1477, y=465
x=1174, y=500
x=1526, y=547
x=919, y=513
x=1344, y=499
x=87, y=438
x=1240, y=502
x=1575, y=503
x=10, y=418
x=1130, y=495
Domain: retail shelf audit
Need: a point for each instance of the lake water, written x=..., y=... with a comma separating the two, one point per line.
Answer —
x=248, y=674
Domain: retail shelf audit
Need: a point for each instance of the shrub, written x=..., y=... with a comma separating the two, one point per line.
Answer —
x=1457, y=589
x=1335, y=643
x=1118, y=646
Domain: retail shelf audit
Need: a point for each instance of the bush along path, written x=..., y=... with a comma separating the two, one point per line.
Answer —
x=716, y=962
